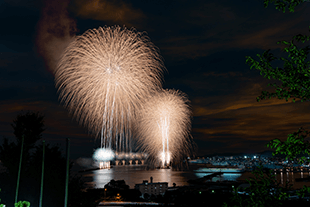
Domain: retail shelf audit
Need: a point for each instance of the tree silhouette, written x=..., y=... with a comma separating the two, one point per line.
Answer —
x=9, y=156
x=30, y=125
x=282, y=4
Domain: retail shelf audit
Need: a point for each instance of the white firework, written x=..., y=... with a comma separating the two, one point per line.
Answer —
x=164, y=126
x=103, y=76
x=102, y=154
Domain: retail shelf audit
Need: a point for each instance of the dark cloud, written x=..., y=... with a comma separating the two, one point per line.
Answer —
x=208, y=28
x=115, y=12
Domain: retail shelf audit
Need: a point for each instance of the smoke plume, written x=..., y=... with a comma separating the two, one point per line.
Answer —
x=55, y=30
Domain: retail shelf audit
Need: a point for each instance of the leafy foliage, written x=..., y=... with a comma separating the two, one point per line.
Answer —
x=302, y=191
x=22, y=204
x=282, y=4
x=294, y=146
x=19, y=204
x=263, y=191
x=295, y=75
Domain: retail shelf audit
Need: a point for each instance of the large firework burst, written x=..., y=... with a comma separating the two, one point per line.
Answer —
x=102, y=77
x=164, y=126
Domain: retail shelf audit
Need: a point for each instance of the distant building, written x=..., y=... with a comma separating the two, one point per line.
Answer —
x=152, y=188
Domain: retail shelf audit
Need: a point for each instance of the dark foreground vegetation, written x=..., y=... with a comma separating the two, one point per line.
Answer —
x=29, y=128
x=195, y=195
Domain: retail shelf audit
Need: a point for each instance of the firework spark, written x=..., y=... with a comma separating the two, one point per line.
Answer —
x=103, y=154
x=103, y=76
x=164, y=126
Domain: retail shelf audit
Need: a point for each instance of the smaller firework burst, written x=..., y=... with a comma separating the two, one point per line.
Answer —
x=164, y=127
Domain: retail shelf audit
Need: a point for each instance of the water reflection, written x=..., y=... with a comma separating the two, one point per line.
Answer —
x=102, y=177
x=136, y=174
x=290, y=178
x=224, y=176
x=231, y=176
x=281, y=178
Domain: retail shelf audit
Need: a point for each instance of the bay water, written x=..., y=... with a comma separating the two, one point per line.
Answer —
x=135, y=174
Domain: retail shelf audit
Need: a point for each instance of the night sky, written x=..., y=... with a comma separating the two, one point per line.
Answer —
x=203, y=43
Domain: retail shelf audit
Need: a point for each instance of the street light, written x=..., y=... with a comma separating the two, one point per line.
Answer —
x=118, y=196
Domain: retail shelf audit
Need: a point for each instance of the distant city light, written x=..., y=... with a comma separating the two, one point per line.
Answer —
x=244, y=156
x=254, y=156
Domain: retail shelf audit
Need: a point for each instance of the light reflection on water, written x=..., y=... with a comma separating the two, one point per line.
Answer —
x=136, y=174
x=226, y=176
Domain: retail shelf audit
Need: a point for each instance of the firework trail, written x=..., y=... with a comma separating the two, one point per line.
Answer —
x=103, y=76
x=164, y=126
